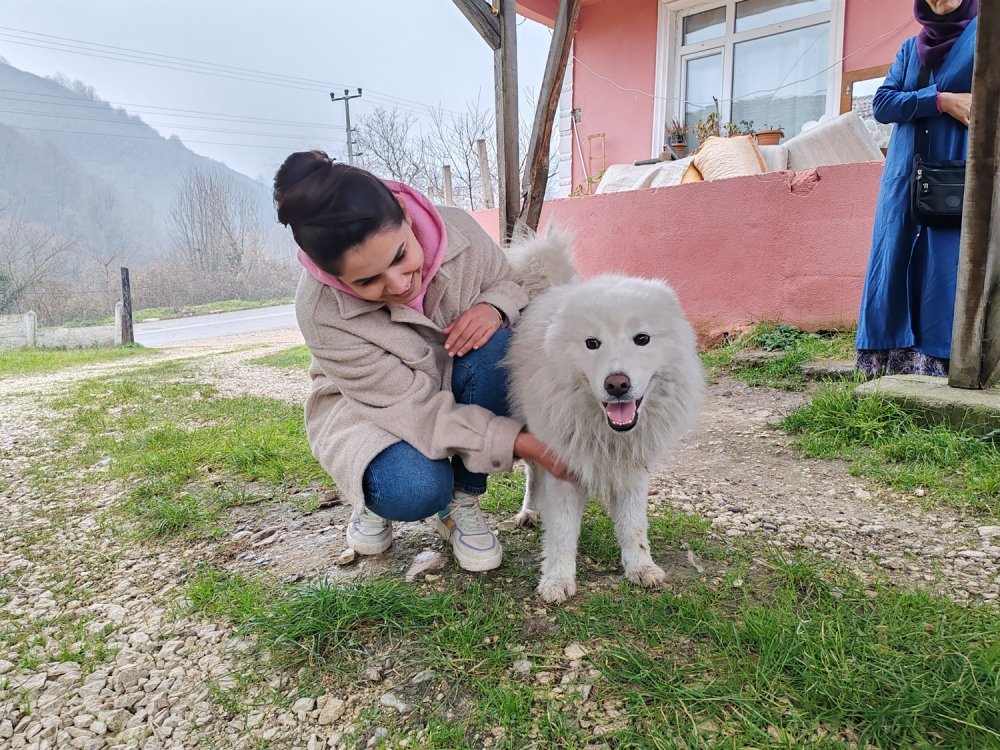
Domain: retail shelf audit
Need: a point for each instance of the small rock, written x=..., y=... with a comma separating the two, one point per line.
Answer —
x=391, y=700
x=332, y=710
x=426, y=562
x=574, y=651
x=861, y=494
x=972, y=554
x=986, y=532
x=303, y=706
x=425, y=676
x=346, y=557
x=871, y=529
x=5, y=666
x=35, y=682
x=734, y=509
x=544, y=678
x=522, y=666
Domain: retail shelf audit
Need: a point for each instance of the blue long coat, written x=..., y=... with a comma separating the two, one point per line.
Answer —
x=909, y=293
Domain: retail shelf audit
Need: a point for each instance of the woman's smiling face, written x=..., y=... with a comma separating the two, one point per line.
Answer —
x=387, y=267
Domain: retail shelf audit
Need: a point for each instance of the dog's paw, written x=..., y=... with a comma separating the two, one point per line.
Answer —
x=556, y=590
x=527, y=518
x=648, y=575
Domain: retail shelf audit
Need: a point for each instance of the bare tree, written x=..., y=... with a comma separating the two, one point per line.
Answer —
x=30, y=259
x=394, y=146
x=388, y=146
x=216, y=225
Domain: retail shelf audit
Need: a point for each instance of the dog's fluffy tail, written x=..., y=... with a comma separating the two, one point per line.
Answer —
x=540, y=261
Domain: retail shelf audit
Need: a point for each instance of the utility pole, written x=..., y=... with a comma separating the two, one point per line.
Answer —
x=346, y=99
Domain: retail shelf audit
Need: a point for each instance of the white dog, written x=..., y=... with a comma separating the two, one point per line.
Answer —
x=605, y=371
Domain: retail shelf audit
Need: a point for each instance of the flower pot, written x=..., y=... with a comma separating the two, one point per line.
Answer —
x=679, y=147
x=769, y=137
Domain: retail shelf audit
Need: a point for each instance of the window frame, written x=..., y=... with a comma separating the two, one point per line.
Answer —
x=671, y=55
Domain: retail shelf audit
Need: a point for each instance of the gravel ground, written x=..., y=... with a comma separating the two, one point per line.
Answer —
x=151, y=678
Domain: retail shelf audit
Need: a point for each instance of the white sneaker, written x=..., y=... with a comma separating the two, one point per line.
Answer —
x=476, y=547
x=370, y=534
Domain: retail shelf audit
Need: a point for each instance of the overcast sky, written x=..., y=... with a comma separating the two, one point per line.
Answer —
x=409, y=54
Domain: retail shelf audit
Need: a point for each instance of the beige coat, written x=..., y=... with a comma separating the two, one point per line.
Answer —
x=380, y=373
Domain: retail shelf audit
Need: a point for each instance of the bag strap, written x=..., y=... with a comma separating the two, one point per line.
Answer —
x=923, y=79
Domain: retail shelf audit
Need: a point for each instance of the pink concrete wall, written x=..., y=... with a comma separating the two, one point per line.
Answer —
x=872, y=32
x=615, y=40
x=785, y=246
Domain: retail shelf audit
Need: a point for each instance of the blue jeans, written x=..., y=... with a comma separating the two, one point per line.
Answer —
x=401, y=483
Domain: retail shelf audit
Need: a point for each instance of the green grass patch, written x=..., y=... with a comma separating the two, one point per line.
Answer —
x=796, y=347
x=32, y=361
x=293, y=358
x=882, y=441
x=188, y=452
x=798, y=656
x=504, y=493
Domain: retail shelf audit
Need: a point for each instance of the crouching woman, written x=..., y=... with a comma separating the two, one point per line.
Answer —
x=406, y=309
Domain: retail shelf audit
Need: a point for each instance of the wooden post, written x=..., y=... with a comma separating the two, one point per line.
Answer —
x=484, y=173
x=975, y=339
x=128, y=336
x=536, y=172
x=446, y=178
x=508, y=148
x=480, y=15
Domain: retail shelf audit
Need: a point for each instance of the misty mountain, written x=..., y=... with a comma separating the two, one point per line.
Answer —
x=91, y=171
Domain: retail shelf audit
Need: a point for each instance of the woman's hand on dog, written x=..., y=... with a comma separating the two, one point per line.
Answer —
x=472, y=329
x=530, y=448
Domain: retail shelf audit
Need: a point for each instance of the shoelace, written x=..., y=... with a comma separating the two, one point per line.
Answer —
x=469, y=516
x=370, y=522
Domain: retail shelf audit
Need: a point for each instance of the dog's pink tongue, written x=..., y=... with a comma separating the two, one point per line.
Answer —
x=621, y=412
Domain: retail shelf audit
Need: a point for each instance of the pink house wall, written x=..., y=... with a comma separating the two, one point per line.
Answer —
x=615, y=68
x=867, y=22
x=785, y=246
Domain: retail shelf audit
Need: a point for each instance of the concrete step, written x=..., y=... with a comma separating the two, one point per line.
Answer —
x=933, y=401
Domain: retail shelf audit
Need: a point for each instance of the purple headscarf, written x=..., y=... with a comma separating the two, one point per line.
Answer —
x=940, y=32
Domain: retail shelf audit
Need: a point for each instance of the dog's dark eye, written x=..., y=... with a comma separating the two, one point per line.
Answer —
x=641, y=339
x=593, y=343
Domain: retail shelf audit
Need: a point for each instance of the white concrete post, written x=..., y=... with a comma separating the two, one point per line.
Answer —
x=119, y=313
x=30, y=322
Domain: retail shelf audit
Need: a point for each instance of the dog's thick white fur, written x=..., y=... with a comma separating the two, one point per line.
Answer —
x=605, y=371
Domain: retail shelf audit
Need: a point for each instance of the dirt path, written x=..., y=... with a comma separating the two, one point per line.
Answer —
x=155, y=676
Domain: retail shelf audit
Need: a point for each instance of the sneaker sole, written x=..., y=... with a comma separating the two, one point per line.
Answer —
x=473, y=565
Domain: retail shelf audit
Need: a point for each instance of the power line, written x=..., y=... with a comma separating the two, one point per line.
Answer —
x=173, y=62
x=109, y=121
x=100, y=104
x=151, y=138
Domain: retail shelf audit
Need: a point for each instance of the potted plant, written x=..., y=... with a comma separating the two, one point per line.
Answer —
x=770, y=135
x=745, y=127
x=676, y=133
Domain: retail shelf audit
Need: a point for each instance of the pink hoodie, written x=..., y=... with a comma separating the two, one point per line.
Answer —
x=428, y=228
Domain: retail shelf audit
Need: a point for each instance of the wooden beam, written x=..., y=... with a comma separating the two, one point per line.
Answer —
x=484, y=173
x=536, y=172
x=975, y=338
x=481, y=16
x=508, y=149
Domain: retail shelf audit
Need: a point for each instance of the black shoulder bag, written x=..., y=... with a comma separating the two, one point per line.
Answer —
x=937, y=189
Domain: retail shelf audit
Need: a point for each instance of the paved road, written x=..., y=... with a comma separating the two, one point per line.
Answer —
x=161, y=332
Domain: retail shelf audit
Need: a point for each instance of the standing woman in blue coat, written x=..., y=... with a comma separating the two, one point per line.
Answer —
x=909, y=295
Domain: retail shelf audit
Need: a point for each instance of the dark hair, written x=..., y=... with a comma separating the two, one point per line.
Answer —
x=331, y=206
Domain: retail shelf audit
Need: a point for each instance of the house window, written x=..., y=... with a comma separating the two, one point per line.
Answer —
x=763, y=61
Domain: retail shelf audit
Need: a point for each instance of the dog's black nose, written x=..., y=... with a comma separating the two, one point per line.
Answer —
x=617, y=384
